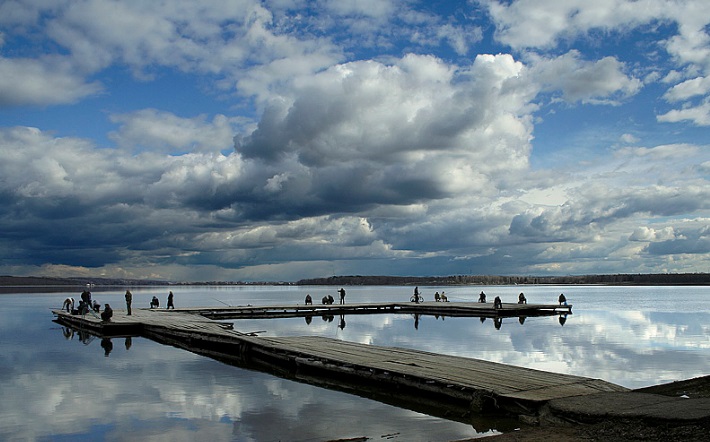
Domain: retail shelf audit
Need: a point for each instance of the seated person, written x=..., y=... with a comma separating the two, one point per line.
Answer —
x=522, y=299
x=83, y=308
x=482, y=297
x=107, y=313
x=497, y=303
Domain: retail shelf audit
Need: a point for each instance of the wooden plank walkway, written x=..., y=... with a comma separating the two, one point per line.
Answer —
x=468, y=309
x=481, y=384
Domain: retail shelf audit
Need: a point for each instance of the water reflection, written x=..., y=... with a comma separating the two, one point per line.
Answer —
x=57, y=384
x=447, y=409
x=416, y=317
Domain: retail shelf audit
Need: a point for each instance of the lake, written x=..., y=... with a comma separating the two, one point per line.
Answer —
x=59, y=385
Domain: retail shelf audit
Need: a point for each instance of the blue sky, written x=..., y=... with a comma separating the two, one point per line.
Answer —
x=287, y=139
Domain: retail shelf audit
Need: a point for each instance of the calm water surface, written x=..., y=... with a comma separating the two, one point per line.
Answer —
x=57, y=386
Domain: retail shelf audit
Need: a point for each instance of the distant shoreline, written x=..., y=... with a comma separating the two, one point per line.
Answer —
x=700, y=279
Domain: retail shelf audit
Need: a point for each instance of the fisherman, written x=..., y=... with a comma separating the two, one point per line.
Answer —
x=497, y=303
x=437, y=298
x=342, y=295
x=107, y=313
x=330, y=299
x=68, y=304
x=522, y=299
x=309, y=300
x=562, y=299
x=83, y=308
x=170, y=301
x=86, y=297
x=443, y=297
x=129, y=300
x=96, y=306
x=482, y=297
x=154, y=303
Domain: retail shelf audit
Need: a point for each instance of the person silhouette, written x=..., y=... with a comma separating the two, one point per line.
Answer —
x=342, y=295
x=170, y=301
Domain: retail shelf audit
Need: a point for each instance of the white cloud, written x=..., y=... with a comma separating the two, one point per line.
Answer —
x=589, y=82
x=629, y=139
x=163, y=131
x=688, y=89
x=644, y=233
x=541, y=23
x=46, y=81
x=356, y=150
x=699, y=115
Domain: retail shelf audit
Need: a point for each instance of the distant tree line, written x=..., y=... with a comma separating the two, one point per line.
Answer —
x=617, y=279
x=72, y=281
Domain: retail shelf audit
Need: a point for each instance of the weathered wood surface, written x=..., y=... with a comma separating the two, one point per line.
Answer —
x=475, y=374
x=457, y=377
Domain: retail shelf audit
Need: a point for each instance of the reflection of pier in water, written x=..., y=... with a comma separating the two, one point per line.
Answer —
x=447, y=386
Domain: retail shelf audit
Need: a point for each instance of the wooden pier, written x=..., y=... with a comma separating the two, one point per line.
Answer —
x=460, y=309
x=475, y=385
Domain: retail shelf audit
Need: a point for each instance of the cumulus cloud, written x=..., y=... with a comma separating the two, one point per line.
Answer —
x=542, y=25
x=589, y=82
x=343, y=153
x=531, y=23
x=686, y=241
x=688, y=89
x=46, y=81
x=160, y=130
x=699, y=115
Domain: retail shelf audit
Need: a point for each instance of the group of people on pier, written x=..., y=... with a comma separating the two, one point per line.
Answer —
x=86, y=304
x=327, y=299
x=155, y=302
x=498, y=303
x=416, y=298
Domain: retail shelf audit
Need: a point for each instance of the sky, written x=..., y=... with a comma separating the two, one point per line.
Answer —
x=243, y=140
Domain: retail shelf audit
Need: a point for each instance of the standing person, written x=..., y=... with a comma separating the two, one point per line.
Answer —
x=86, y=297
x=170, y=301
x=342, y=295
x=129, y=300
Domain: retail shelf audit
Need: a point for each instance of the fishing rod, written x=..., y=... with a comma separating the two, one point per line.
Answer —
x=228, y=305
